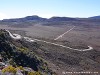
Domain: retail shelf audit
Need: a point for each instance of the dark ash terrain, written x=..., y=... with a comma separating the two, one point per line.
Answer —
x=85, y=33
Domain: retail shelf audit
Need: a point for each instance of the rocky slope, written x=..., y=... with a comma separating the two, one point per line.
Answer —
x=18, y=58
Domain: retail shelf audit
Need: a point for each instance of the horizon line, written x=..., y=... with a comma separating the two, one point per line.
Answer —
x=46, y=17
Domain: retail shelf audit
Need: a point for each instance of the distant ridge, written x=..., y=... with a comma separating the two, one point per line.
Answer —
x=37, y=18
x=95, y=17
x=61, y=19
x=28, y=18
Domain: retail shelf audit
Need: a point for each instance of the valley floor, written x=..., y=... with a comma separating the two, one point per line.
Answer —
x=61, y=59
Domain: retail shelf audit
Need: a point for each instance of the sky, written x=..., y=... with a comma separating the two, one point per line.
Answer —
x=49, y=8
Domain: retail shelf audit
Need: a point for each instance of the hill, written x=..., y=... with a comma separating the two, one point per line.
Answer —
x=59, y=59
x=28, y=18
x=16, y=54
x=95, y=17
x=37, y=18
x=58, y=21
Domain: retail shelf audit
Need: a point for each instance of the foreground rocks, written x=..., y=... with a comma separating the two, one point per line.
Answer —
x=18, y=59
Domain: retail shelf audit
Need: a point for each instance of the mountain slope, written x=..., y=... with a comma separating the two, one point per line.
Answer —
x=95, y=17
x=62, y=19
x=28, y=18
x=40, y=19
x=18, y=53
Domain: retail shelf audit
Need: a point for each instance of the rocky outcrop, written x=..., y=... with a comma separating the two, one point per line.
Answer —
x=17, y=53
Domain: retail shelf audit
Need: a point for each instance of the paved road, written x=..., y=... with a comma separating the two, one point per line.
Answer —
x=64, y=33
x=89, y=47
x=14, y=36
x=17, y=37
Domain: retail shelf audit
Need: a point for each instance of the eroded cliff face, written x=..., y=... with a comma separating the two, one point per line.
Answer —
x=16, y=53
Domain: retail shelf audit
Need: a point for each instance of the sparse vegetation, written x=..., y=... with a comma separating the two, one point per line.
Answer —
x=19, y=55
x=34, y=73
x=22, y=53
x=9, y=69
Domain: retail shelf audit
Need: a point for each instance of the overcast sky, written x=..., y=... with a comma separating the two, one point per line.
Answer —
x=49, y=8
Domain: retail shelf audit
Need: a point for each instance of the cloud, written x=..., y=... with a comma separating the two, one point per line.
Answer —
x=3, y=16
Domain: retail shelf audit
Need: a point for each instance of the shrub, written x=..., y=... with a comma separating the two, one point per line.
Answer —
x=34, y=73
x=9, y=69
x=21, y=68
x=30, y=73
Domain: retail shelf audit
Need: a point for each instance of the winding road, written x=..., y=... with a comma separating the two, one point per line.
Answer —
x=89, y=47
x=17, y=37
x=14, y=36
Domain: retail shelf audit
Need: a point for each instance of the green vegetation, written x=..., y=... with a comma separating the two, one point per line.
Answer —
x=12, y=69
x=17, y=54
x=34, y=73
x=9, y=69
